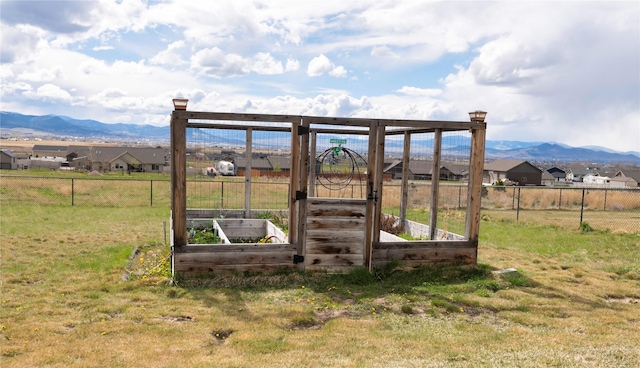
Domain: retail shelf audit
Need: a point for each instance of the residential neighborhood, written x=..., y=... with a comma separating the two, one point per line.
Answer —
x=156, y=159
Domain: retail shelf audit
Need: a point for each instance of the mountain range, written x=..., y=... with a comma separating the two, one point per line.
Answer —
x=56, y=126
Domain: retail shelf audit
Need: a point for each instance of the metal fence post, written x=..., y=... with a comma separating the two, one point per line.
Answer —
x=518, y=207
x=72, y=191
x=560, y=200
x=604, y=208
x=582, y=207
x=222, y=195
x=151, y=195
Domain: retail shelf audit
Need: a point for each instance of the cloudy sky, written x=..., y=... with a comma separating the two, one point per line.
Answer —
x=566, y=72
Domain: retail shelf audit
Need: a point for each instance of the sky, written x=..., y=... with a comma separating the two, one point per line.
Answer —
x=545, y=71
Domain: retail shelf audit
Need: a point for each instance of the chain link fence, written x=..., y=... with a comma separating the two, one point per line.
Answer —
x=597, y=208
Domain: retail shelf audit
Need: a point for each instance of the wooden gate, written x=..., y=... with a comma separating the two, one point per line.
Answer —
x=335, y=234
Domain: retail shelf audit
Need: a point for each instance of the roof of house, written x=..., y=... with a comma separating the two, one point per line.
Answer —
x=42, y=147
x=145, y=155
x=505, y=165
x=425, y=167
x=630, y=173
x=8, y=153
x=548, y=176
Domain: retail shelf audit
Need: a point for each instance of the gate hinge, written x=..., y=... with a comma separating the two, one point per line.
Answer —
x=300, y=195
x=302, y=130
x=297, y=259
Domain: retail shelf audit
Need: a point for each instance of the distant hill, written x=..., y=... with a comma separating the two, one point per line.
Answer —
x=62, y=126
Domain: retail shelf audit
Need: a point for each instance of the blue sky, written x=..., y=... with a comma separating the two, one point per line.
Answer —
x=566, y=72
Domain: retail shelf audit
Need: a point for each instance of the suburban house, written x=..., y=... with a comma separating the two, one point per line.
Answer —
x=41, y=151
x=8, y=160
x=262, y=163
x=423, y=170
x=630, y=177
x=521, y=172
x=557, y=173
x=575, y=174
x=141, y=159
x=595, y=179
x=548, y=179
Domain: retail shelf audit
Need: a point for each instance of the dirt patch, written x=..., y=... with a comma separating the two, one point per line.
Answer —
x=623, y=300
x=221, y=336
x=177, y=319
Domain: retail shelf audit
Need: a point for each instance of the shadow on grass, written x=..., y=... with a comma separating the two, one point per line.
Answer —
x=359, y=283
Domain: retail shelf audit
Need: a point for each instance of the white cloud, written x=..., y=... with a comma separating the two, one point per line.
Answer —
x=321, y=64
x=383, y=52
x=292, y=65
x=49, y=92
x=415, y=91
x=40, y=75
x=170, y=56
x=264, y=63
x=338, y=72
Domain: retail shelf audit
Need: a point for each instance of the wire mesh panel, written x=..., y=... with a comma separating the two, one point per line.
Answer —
x=340, y=165
x=220, y=162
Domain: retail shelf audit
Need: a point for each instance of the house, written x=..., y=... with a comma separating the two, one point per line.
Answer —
x=142, y=159
x=423, y=170
x=548, y=179
x=557, y=173
x=40, y=151
x=596, y=179
x=575, y=174
x=622, y=182
x=8, y=160
x=629, y=177
x=521, y=172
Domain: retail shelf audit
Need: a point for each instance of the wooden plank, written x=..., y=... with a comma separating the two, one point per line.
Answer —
x=335, y=223
x=312, y=172
x=340, y=210
x=425, y=254
x=232, y=258
x=247, y=174
x=371, y=154
x=336, y=201
x=221, y=248
x=334, y=259
x=303, y=181
x=435, y=244
x=178, y=180
x=249, y=223
x=364, y=122
x=293, y=184
x=195, y=270
x=378, y=185
x=334, y=248
x=435, y=182
x=404, y=187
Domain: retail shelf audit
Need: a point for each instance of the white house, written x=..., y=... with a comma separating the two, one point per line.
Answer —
x=595, y=179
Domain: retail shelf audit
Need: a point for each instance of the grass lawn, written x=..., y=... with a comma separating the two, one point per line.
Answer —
x=574, y=301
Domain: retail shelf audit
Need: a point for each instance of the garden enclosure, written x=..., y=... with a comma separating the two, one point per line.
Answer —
x=331, y=232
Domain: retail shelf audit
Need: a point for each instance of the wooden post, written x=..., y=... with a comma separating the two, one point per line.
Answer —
x=293, y=183
x=179, y=180
x=406, y=152
x=435, y=183
x=312, y=167
x=380, y=137
x=303, y=182
x=371, y=166
x=247, y=174
x=474, y=195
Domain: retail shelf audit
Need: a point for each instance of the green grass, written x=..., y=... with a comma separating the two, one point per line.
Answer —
x=65, y=301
